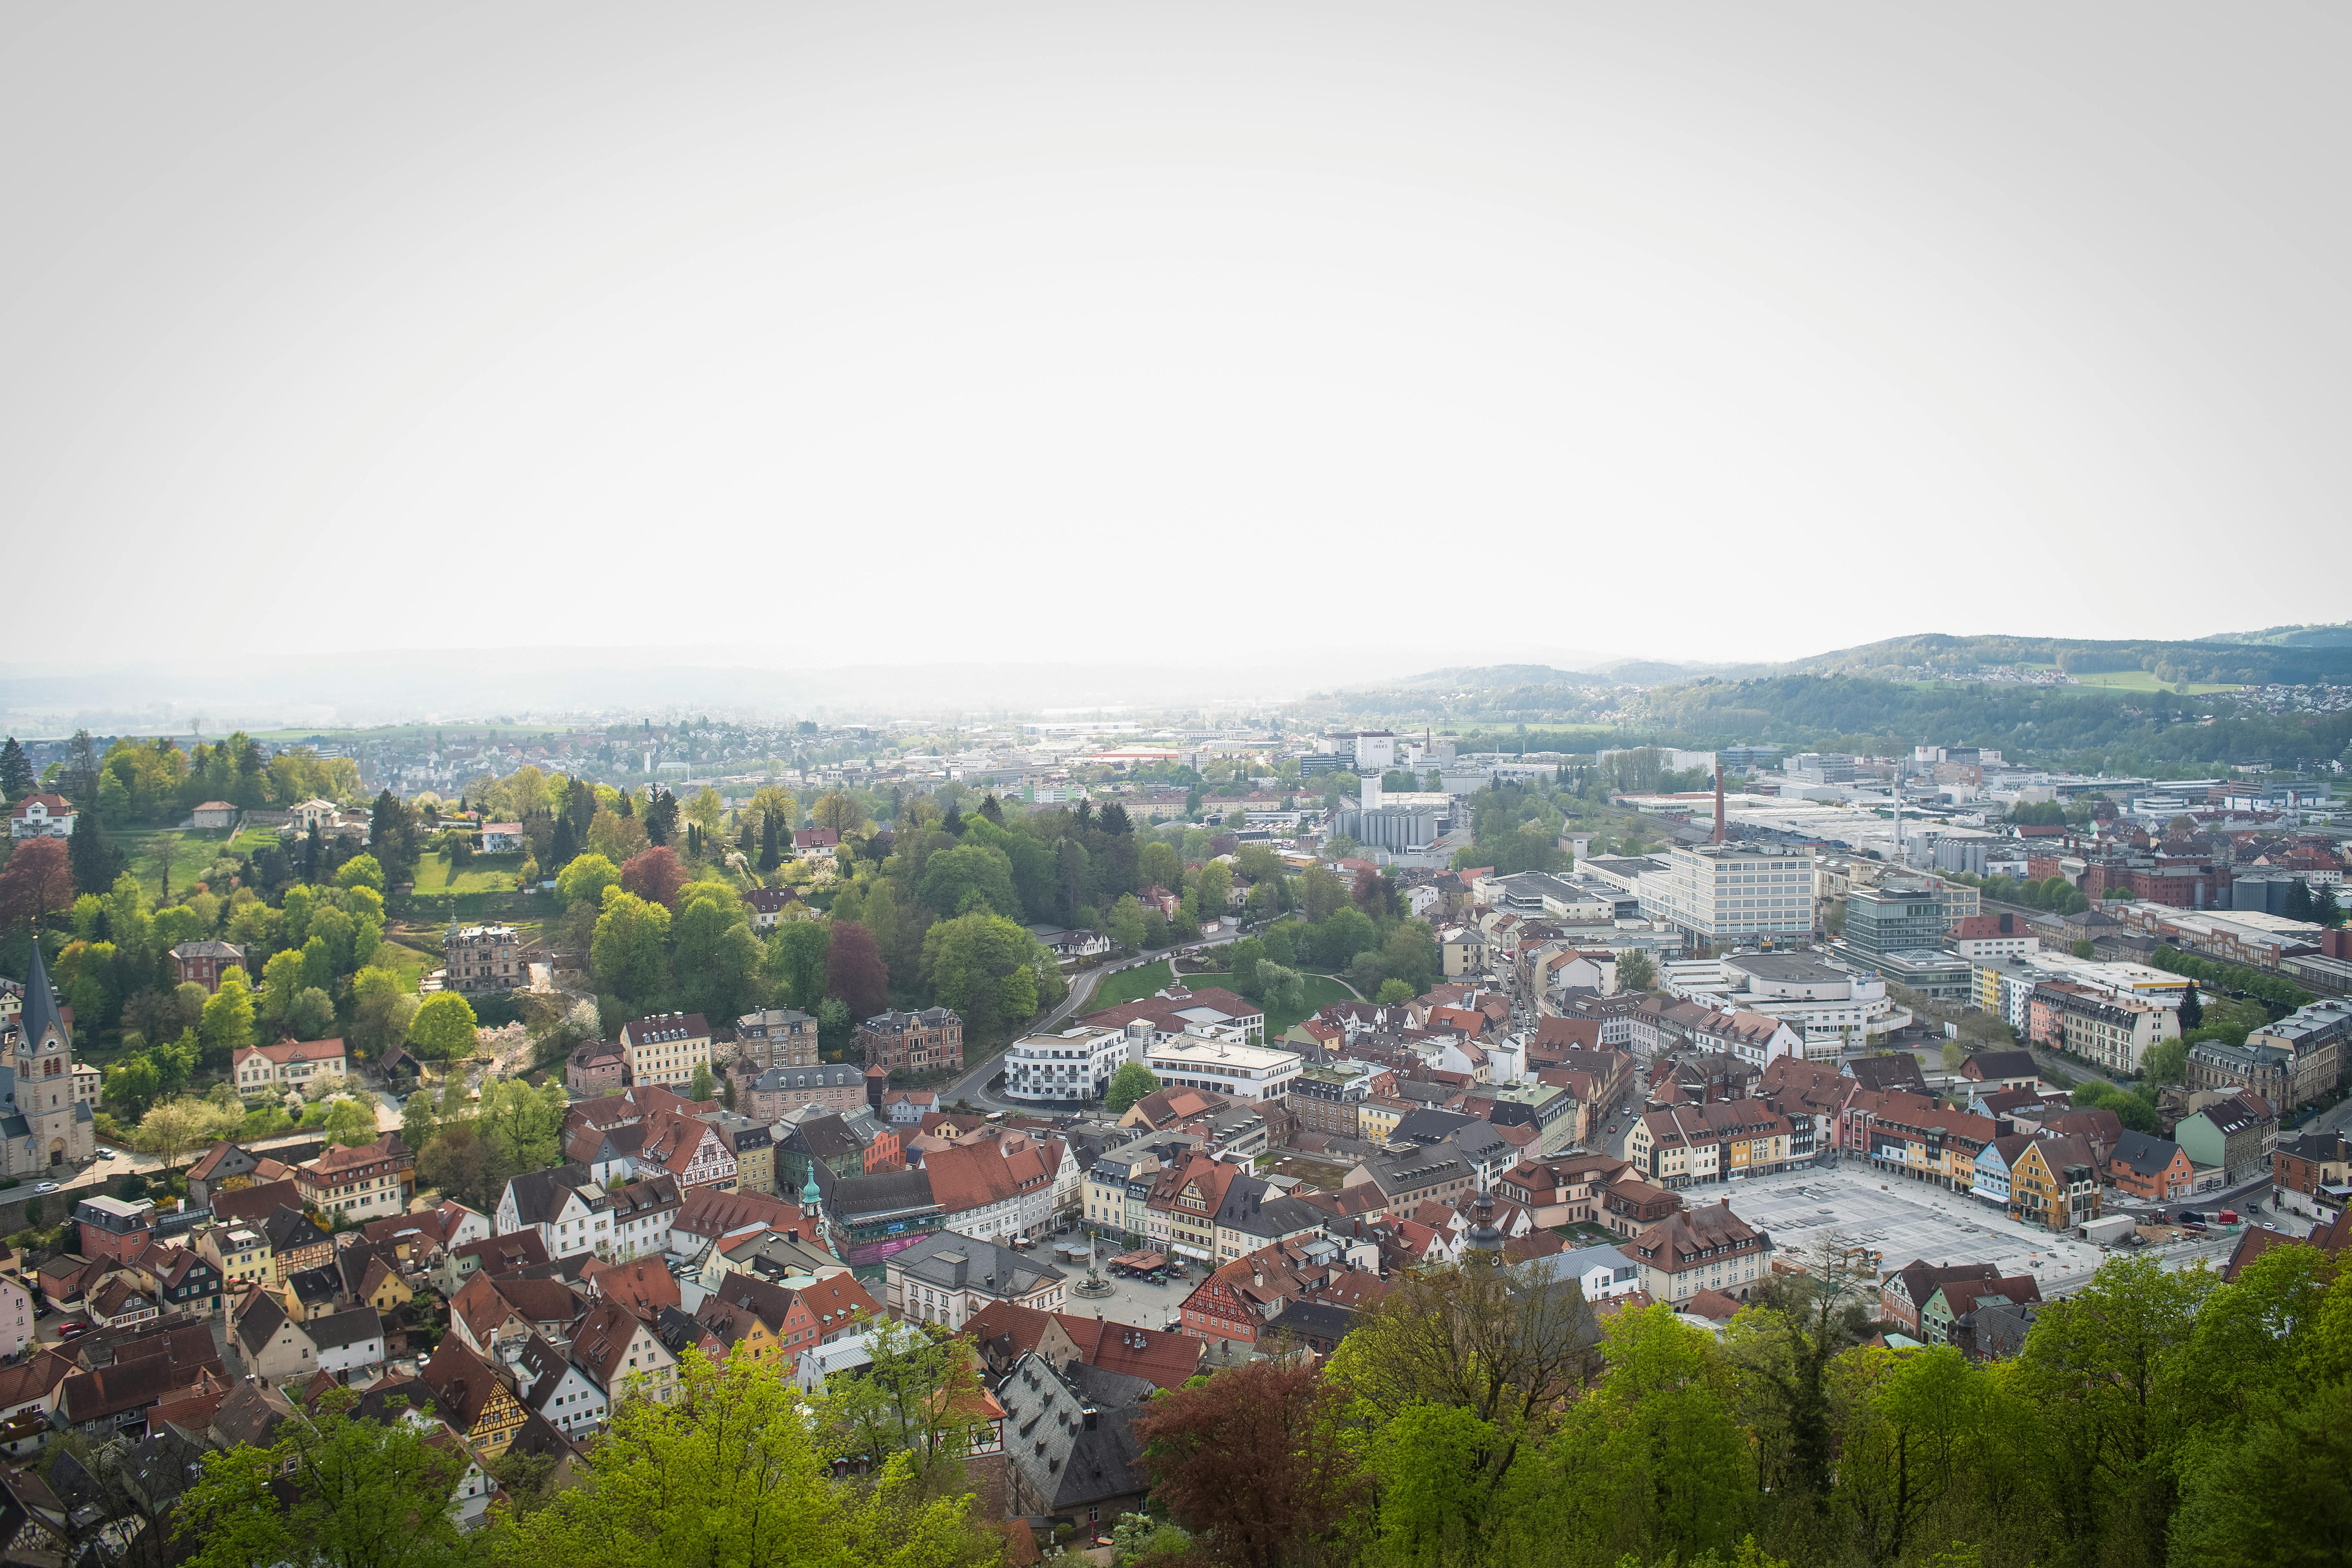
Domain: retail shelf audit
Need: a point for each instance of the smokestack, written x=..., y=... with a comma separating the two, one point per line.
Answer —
x=1718, y=800
x=1371, y=792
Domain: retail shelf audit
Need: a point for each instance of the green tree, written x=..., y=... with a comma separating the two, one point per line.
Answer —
x=1125, y=924
x=1635, y=972
x=1395, y=991
x=350, y=1124
x=523, y=1124
x=987, y=969
x=702, y=1086
x=968, y=878
x=585, y=880
x=796, y=962
x=717, y=960
x=15, y=772
x=361, y=871
x=173, y=1130
x=381, y=1007
x=311, y=1015
x=333, y=1490
x=95, y=863
x=1131, y=1083
x=630, y=949
x=227, y=1025
x=444, y=1028
x=729, y=1474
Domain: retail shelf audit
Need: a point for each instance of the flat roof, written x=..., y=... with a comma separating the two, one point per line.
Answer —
x=1193, y=1047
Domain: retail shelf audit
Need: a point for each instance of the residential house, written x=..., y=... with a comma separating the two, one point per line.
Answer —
x=1074, y=1454
x=665, y=1048
x=239, y=1254
x=489, y=1312
x=1720, y=1140
x=1602, y=1273
x=369, y=1182
x=596, y=1067
x=569, y=1210
x=295, y=1243
x=2236, y=1136
x=1701, y=1249
x=1954, y=1302
x=274, y=1347
x=181, y=1278
x=775, y=1094
x=348, y=1341
x=946, y=1278
x=477, y=960
x=556, y=1388
x=203, y=962
x=2153, y=1170
x=468, y=1394
x=2053, y=1183
x=766, y=906
x=41, y=816
x=690, y=1151
x=495, y=1256
x=306, y=1066
x=1905, y=1290
x=623, y=1356
x=928, y=1041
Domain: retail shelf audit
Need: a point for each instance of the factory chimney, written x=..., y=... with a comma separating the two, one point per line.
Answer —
x=1718, y=800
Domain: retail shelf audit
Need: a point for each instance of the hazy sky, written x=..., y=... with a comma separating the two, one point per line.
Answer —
x=911, y=332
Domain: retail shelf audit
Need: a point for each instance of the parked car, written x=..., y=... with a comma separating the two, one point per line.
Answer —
x=72, y=1331
x=2191, y=1216
x=42, y=1187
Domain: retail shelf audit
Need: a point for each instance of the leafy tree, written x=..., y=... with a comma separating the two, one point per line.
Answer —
x=37, y=882
x=350, y=1124
x=838, y=810
x=311, y=1015
x=1655, y=1458
x=968, y=878
x=630, y=949
x=443, y=1028
x=1395, y=991
x=1125, y=924
x=796, y=962
x=332, y=1489
x=1131, y=1083
x=702, y=1086
x=654, y=875
x=1255, y=1459
x=853, y=971
x=174, y=1129
x=1635, y=972
x=1786, y=1353
x=730, y=1474
x=523, y=1124
x=583, y=881
x=381, y=1007
x=987, y=969
x=227, y=1025
x=392, y=838
x=1281, y=989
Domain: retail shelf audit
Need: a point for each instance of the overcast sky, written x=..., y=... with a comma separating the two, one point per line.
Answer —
x=910, y=332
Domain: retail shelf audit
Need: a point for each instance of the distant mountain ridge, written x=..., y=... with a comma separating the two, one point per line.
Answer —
x=2334, y=634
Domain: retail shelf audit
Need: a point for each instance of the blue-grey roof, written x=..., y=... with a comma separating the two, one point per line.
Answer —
x=1576, y=1265
x=40, y=1003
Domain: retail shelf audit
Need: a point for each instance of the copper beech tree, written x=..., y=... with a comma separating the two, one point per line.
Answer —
x=1255, y=1459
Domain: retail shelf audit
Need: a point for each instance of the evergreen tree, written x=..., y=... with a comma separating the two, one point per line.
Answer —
x=993, y=812
x=94, y=862
x=2298, y=900
x=391, y=837
x=2192, y=1009
x=771, y=856
x=953, y=821
x=628, y=803
x=661, y=817
x=15, y=772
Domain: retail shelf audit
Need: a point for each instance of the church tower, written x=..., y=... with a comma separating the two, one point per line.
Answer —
x=46, y=1125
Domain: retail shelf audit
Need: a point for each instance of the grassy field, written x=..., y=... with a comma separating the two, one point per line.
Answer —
x=190, y=855
x=2141, y=680
x=483, y=874
x=1131, y=985
x=411, y=963
x=1317, y=992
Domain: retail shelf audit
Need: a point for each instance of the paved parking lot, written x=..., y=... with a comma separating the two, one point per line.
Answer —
x=1902, y=1220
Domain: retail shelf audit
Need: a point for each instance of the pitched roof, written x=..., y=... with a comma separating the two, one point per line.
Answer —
x=2144, y=1155
x=461, y=1382
x=1165, y=1360
x=257, y=1202
x=601, y=1347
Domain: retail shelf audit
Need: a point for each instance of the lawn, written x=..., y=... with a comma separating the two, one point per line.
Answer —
x=411, y=963
x=1131, y=985
x=2141, y=680
x=483, y=874
x=1317, y=993
x=190, y=856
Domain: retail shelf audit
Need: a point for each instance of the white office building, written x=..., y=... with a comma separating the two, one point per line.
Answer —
x=1073, y=1066
x=1723, y=894
x=1222, y=1067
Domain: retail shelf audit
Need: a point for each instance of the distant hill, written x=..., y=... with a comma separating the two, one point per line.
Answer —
x=1520, y=676
x=2337, y=633
x=2244, y=663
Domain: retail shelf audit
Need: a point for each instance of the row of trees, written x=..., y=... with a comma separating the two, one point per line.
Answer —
x=1482, y=1416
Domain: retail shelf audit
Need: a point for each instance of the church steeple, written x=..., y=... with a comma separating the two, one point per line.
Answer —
x=40, y=1012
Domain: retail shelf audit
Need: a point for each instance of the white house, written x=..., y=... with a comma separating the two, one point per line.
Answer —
x=300, y=1065
x=503, y=837
x=1073, y=1066
x=41, y=816
x=1600, y=1271
x=571, y=1212
x=348, y=1341
x=556, y=1387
